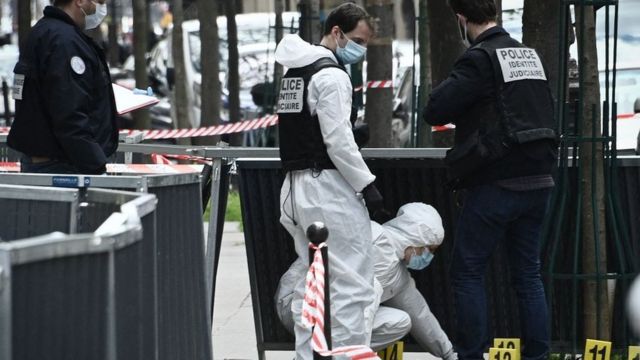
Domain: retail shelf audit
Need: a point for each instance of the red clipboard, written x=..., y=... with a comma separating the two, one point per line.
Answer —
x=127, y=101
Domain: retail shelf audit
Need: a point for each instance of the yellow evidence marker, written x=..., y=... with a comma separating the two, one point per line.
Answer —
x=503, y=354
x=597, y=350
x=508, y=343
x=392, y=352
x=634, y=352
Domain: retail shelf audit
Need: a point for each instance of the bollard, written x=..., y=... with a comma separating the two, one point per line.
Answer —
x=317, y=233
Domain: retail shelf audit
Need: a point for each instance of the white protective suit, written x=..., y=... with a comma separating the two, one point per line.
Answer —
x=418, y=225
x=331, y=196
x=389, y=325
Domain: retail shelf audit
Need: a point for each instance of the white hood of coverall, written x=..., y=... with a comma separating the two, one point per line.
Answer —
x=417, y=225
x=293, y=52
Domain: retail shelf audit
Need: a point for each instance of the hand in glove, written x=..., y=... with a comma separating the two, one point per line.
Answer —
x=372, y=199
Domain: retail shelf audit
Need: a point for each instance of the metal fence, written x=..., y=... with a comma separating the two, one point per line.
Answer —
x=182, y=314
x=402, y=176
x=72, y=296
x=7, y=154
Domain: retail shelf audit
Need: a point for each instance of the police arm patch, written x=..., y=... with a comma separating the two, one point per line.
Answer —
x=520, y=63
x=77, y=65
x=291, y=98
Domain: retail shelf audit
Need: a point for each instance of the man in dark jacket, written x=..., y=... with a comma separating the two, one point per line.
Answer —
x=65, y=108
x=505, y=150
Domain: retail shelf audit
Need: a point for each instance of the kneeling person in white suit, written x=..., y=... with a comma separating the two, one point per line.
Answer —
x=407, y=241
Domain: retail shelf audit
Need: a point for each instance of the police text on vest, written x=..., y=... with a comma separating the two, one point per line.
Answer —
x=291, y=95
x=520, y=63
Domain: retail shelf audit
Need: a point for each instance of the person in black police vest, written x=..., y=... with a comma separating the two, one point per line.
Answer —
x=504, y=154
x=326, y=176
x=65, y=109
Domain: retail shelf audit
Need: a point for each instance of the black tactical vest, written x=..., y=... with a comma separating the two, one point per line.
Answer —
x=301, y=143
x=520, y=77
x=523, y=111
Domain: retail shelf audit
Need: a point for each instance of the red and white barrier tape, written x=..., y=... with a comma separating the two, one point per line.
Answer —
x=165, y=159
x=313, y=313
x=9, y=167
x=14, y=167
x=159, y=159
x=247, y=125
x=442, y=127
x=376, y=84
x=240, y=126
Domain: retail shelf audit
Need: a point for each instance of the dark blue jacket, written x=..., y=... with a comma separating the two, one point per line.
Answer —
x=67, y=109
x=468, y=98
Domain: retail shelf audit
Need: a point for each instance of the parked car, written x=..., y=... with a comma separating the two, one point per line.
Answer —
x=255, y=48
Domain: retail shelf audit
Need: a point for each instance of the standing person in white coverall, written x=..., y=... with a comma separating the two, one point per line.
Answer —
x=407, y=241
x=326, y=177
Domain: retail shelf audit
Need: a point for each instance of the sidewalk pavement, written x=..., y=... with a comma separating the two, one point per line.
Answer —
x=234, y=334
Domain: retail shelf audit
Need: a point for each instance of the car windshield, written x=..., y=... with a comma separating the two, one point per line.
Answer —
x=246, y=36
x=194, y=48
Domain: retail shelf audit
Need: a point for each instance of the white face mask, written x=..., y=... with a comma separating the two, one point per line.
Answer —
x=92, y=21
x=464, y=32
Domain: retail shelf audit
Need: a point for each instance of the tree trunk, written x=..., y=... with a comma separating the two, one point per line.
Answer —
x=191, y=12
x=181, y=101
x=277, y=69
x=446, y=47
x=210, y=88
x=310, y=27
x=446, y=44
x=592, y=183
x=141, y=119
x=114, y=49
x=424, y=130
x=378, y=107
x=24, y=22
x=541, y=30
x=409, y=9
x=234, y=75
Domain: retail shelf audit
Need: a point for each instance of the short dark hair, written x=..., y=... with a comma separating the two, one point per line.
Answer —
x=346, y=16
x=476, y=11
x=61, y=2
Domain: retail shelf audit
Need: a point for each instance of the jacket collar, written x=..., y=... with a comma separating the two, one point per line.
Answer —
x=59, y=14
x=489, y=33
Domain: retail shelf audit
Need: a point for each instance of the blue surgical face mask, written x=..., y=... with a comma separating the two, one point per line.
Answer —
x=419, y=262
x=351, y=53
